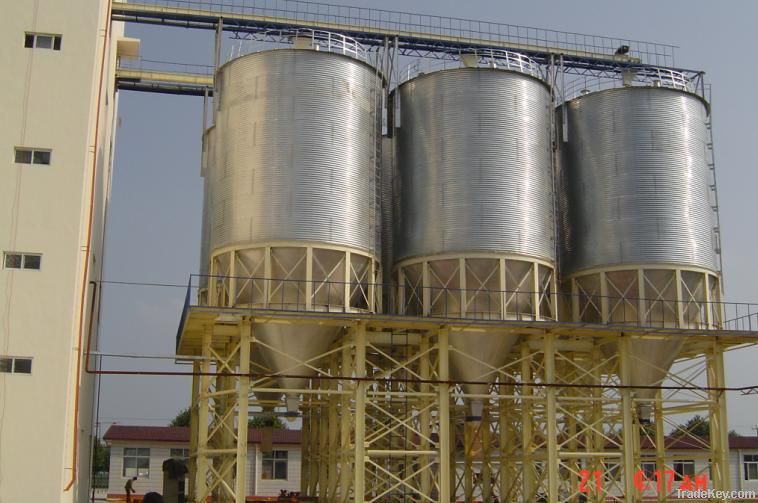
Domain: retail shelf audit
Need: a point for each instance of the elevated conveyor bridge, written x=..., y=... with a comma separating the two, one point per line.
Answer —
x=401, y=33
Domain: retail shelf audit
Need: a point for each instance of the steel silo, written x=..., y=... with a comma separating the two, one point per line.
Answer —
x=638, y=244
x=291, y=192
x=474, y=234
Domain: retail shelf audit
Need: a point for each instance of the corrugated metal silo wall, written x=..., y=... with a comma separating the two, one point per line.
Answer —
x=474, y=163
x=296, y=151
x=634, y=181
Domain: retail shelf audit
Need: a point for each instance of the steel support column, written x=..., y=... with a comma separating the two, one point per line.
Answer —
x=425, y=373
x=359, y=487
x=627, y=418
x=660, y=441
x=346, y=447
x=192, y=465
x=445, y=468
x=203, y=419
x=243, y=394
x=719, y=432
x=553, y=461
x=527, y=464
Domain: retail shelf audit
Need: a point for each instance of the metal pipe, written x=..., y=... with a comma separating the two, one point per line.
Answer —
x=85, y=273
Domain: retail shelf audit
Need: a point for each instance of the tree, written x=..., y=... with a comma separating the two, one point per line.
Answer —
x=697, y=426
x=259, y=422
x=101, y=457
x=182, y=418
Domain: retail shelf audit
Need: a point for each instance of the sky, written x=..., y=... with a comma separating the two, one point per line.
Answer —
x=153, y=228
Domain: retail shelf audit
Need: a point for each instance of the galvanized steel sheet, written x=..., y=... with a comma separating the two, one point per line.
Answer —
x=634, y=180
x=474, y=165
x=295, y=151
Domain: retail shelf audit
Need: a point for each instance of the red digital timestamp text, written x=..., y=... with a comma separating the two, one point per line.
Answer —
x=661, y=480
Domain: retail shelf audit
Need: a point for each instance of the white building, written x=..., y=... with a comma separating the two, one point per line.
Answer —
x=691, y=462
x=687, y=468
x=58, y=106
x=139, y=451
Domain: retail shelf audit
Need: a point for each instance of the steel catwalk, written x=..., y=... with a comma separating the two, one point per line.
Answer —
x=635, y=177
x=474, y=165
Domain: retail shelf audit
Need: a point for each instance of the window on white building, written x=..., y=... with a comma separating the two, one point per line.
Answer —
x=180, y=453
x=750, y=461
x=15, y=365
x=15, y=260
x=24, y=155
x=136, y=462
x=684, y=468
x=42, y=41
x=274, y=465
x=648, y=469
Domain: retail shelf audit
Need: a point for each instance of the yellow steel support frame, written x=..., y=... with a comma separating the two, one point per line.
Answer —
x=627, y=411
x=383, y=422
x=240, y=488
x=718, y=423
x=484, y=285
x=219, y=417
x=236, y=277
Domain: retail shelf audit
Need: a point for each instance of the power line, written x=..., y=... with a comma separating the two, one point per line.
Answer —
x=371, y=379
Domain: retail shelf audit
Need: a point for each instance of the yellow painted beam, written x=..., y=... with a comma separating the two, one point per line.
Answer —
x=164, y=77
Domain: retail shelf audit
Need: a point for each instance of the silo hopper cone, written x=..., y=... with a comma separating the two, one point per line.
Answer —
x=287, y=349
x=650, y=361
x=476, y=356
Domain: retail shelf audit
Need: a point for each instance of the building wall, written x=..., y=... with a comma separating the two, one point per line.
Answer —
x=736, y=462
x=160, y=451
x=49, y=100
x=273, y=487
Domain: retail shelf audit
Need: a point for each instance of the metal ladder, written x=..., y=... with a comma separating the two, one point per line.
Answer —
x=710, y=159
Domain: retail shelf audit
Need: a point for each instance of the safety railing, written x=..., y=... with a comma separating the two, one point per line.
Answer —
x=382, y=21
x=630, y=77
x=480, y=58
x=100, y=480
x=151, y=65
x=296, y=295
x=316, y=40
